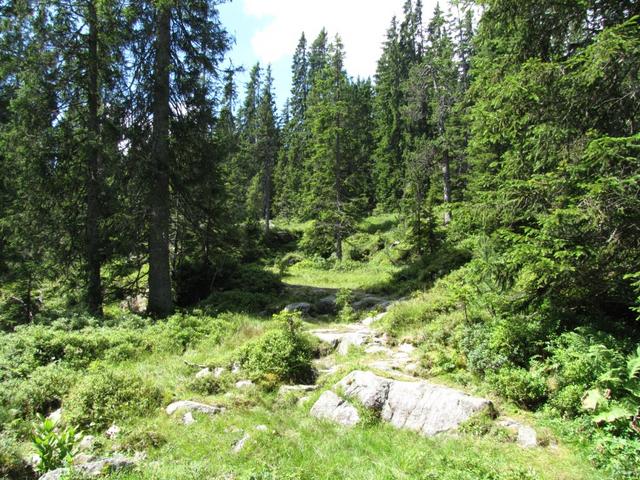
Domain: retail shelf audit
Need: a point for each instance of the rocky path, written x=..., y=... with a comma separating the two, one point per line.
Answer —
x=389, y=387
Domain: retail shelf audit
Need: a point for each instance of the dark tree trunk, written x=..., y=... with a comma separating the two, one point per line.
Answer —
x=94, y=285
x=267, y=195
x=160, y=303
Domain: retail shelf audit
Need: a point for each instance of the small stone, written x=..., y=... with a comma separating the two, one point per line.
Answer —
x=187, y=419
x=406, y=348
x=205, y=372
x=55, y=416
x=374, y=349
x=113, y=432
x=371, y=320
x=262, y=428
x=235, y=368
x=244, y=384
x=190, y=406
x=87, y=442
x=139, y=456
x=82, y=458
x=526, y=436
x=239, y=445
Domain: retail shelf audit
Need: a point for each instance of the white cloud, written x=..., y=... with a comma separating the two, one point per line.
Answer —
x=362, y=24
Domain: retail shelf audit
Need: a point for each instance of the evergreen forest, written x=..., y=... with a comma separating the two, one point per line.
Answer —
x=466, y=221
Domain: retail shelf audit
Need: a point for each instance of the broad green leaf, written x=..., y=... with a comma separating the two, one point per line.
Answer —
x=614, y=413
x=591, y=399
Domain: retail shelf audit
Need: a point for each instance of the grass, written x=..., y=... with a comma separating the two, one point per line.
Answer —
x=298, y=446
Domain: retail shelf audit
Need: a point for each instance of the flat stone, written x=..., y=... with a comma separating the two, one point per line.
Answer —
x=86, y=443
x=353, y=339
x=526, y=435
x=406, y=348
x=244, y=384
x=326, y=305
x=419, y=406
x=262, y=428
x=190, y=406
x=330, y=406
x=368, y=302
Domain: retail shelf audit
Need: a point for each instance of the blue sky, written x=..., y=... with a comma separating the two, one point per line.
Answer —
x=268, y=31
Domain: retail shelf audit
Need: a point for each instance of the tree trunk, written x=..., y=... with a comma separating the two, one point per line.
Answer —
x=160, y=304
x=94, y=285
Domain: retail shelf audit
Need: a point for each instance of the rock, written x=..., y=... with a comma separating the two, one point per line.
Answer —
x=353, y=339
x=205, y=372
x=374, y=349
x=419, y=406
x=368, y=302
x=86, y=443
x=235, y=368
x=262, y=428
x=83, y=458
x=526, y=436
x=187, y=419
x=371, y=320
x=302, y=307
x=331, y=407
x=56, y=415
x=239, y=445
x=190, y=406
x=406, y=348
x=112, y=432
x=284, y=389
x=92, y=469
x=244, y=384
x=326, y=305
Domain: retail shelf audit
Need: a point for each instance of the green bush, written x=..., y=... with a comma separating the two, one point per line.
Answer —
x=106, y=396
x=142, y=439
x=283, y=353
x=210, y=385
x=12, y=465
x=44, y=390
x=521, y=386
x=617, y=456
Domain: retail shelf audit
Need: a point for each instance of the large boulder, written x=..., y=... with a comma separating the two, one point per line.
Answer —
x=331, y=407
x=326, y=305
x=419, y=406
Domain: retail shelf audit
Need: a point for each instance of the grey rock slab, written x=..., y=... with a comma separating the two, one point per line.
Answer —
x=55, y=416
x=330, y=406
x=353, y=339
x=326, y=305
x=302, y=307
x=190, y=406
x=187, y=419
x=526, y=435
x=92, y=469
x=368, y=302
x=86, y=443
x=419, y=406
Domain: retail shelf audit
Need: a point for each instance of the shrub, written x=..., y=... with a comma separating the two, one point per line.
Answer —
x=617, y=456
x=104, y=397
x=283, y=354
x=521, y=386
x=209, y=384
x=142, y=439
x=12, y=465
x=45, y=389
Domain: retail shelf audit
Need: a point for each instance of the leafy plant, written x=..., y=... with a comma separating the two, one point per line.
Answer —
x=56, y=448
x=623, y=403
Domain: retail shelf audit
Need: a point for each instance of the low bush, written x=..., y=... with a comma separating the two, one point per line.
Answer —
x=44, y=390
x=282, y=354
x=524, y=388
x=12, y=465
x=106, y=396
x=209, y=384
x=617, y=456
